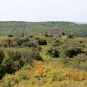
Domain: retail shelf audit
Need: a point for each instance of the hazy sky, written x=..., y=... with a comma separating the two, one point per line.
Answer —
x=43, y=10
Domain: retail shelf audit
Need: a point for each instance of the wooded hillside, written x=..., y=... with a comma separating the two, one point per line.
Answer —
x=18, y=27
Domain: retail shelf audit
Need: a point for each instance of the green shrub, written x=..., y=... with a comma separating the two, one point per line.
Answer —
x=73, y=51
x=18, y=42
x=1, y=56
x=57, y=41
x=31, y=36
x=36, y=56
x=29, y=44
x=37, y=38
x=53, y=52
x=14, y=59
x=23, y=76
x=6, y=43
x=14, y=55
x=11, y=62
x=10, y=35
x=42, y=42
x=69, y=36
x=66, y=51
x=28, y=56
x=63, y=51
x=46, y=35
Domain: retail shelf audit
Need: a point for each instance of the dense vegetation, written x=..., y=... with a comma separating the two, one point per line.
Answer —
x=19, y=28
x=43, y=61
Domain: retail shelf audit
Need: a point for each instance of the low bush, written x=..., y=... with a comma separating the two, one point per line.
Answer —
x=1, y=56
x=53, y=51
x=42, y=42
x=73, y=51
x=13, y=59
x=10, y=35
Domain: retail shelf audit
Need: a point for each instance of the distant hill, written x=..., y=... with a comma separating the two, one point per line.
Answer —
x=80, y=22
x=18, y=27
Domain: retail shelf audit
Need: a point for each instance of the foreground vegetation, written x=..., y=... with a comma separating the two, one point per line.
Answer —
x=17, y=28
x=43, y=61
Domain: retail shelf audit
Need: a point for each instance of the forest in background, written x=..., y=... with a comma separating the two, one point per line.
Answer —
x=16, y=28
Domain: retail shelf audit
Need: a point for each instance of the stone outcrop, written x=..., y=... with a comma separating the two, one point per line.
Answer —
x=55, y=32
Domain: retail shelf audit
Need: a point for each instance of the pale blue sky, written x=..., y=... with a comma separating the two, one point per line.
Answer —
x=43, y=10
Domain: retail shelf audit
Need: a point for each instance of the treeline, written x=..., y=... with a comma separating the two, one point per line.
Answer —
x=16, y=28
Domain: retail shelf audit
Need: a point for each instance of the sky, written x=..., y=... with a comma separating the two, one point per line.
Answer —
x=43, y=10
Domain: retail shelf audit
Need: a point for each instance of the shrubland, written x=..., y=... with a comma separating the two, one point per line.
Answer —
x=43, y=61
